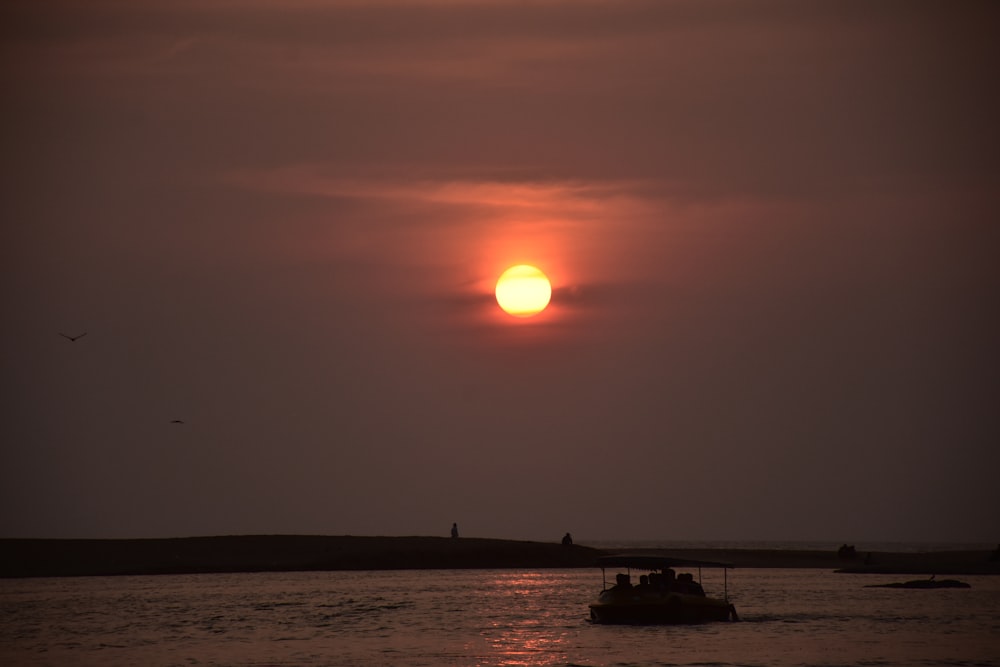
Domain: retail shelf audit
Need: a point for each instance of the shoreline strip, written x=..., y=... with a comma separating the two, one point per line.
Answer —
x=288, y=553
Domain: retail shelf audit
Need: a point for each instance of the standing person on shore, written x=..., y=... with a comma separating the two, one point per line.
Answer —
x=454, y=530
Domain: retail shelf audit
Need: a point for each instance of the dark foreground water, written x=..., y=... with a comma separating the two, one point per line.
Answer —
x=484, y=617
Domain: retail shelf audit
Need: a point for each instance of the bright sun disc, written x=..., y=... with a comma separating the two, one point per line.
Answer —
x=523, y=291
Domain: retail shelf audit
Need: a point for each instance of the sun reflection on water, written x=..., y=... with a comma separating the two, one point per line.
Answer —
x=536, y=632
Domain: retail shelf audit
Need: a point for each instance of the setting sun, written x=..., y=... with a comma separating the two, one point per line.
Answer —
x=523, y=291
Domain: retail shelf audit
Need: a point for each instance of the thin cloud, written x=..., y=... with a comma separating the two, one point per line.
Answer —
x=576, y=199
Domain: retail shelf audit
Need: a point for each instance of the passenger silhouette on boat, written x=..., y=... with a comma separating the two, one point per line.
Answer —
x=644, y=585
x=669, y=580
x=687, y=584
x=622, y=582
x=567, y=540
x=454, y=530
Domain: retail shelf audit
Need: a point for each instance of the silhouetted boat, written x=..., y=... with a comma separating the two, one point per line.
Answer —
x=662, y=597
x=924, y=583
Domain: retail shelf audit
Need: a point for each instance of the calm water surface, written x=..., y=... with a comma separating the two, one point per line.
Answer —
x=484, y=617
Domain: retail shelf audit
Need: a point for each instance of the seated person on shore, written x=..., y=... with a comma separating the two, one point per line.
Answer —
x=567, y=540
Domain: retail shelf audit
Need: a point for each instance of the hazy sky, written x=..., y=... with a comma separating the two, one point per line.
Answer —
x=772, y=228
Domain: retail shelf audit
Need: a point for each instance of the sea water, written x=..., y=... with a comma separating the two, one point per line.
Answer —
x=485, y=617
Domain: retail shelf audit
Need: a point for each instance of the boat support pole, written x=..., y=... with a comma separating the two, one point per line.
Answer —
x=733, y=616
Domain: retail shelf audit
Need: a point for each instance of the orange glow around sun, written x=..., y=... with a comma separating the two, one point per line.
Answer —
x=523, y=291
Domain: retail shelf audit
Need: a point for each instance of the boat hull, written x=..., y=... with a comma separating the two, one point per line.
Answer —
x=669, y=609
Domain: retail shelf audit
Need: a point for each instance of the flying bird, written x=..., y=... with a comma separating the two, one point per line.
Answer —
x=176, y=421
x=73, y=339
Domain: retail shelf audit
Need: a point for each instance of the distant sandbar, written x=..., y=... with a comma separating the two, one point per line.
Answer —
x=287, y=553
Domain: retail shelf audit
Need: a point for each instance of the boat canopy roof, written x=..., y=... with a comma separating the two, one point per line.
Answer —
x=647, y=562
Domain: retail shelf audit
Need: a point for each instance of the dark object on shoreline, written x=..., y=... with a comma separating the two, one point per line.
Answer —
x=454, y=530
x=847, y=552
x=924, y=583
x=567, y=540
x=662, y=596
x=923, y=564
